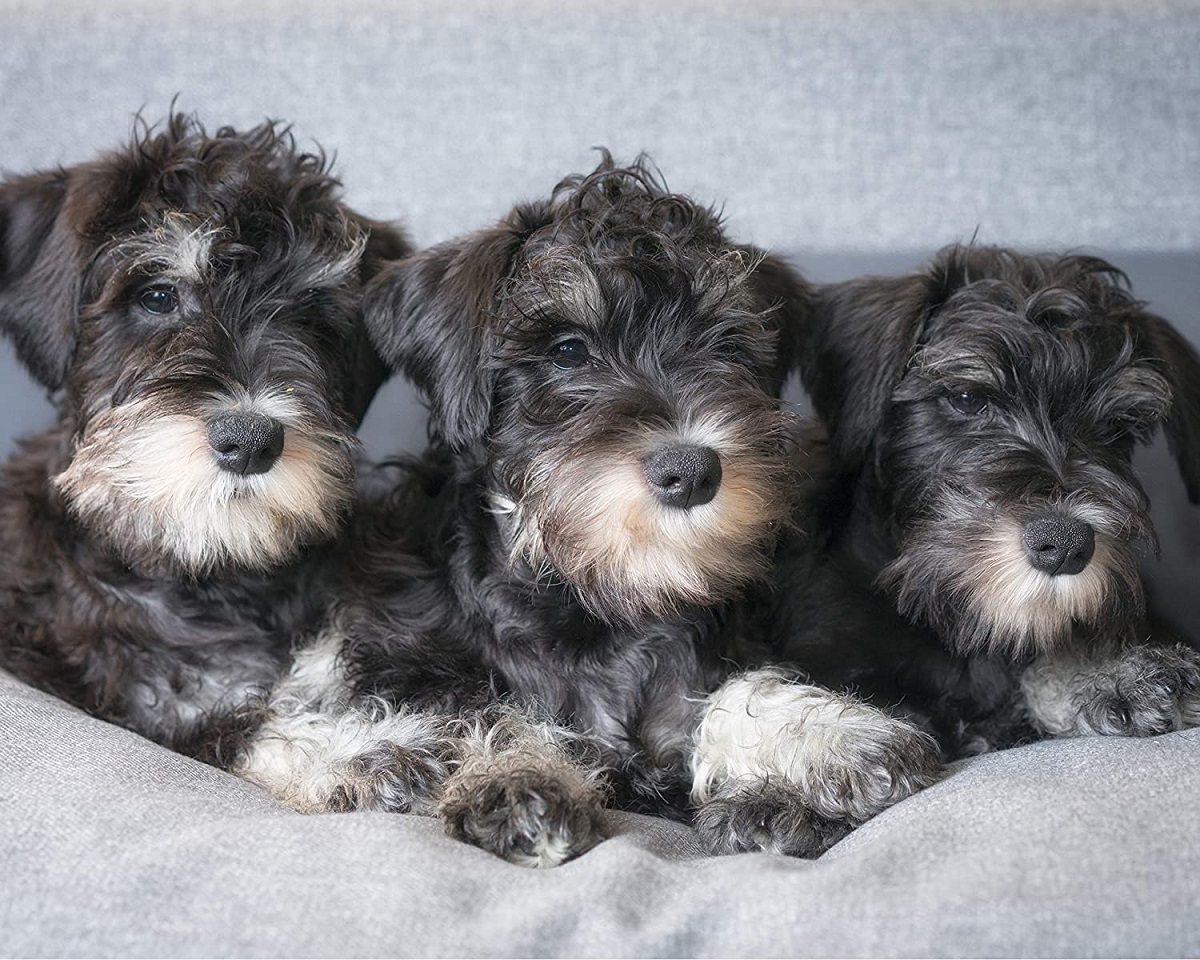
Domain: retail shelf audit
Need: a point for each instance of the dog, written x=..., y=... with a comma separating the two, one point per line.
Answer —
x=981, y=520
x=192, y=303
x=531, y=627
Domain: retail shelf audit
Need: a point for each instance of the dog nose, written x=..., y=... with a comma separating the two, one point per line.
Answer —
x=683, y=476
x=246, y=443
x=1058, y=545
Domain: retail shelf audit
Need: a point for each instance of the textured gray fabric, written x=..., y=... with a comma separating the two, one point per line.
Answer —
x=860, y=125
x=112, y=846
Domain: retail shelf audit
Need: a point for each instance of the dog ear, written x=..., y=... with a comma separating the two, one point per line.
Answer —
x=385, y=244
x=40, y=267
x=1181, y=366
x=781, y=291
x=431, y=317
x=853, y=351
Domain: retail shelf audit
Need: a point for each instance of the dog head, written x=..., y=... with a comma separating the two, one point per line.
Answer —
x=992, y=404
x=613, y=362
x=194, y=302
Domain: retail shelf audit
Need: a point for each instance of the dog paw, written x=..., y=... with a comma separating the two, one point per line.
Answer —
x=319, y=761
x=390, y=777
x=530, y=816
x=1144, y=692
x=794, y=767
x=760, y=815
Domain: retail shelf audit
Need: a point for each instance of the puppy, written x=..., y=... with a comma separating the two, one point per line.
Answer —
x=982, y=519
x=531, y=629
x=192, y=301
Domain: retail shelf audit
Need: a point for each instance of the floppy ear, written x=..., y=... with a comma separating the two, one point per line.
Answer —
x=39, y=275
x=779, y=288
x=431, y=316
x=1181, y=366
x=862, y=335
x=385, y=243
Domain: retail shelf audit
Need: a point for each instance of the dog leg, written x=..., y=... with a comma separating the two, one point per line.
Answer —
x=355, y=759
x=1140, y=691
x=316, y=751
x=518, y=793
x=792, y=768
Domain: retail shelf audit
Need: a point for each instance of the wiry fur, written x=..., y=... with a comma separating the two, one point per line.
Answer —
x=141, y=581
x=524, y=562
x=828, y=760
x=1140, y=691
x=921, y=590
x=183, y=506
x=316, y=747
x=524, y=789
x=966, y=563
x=591, y=520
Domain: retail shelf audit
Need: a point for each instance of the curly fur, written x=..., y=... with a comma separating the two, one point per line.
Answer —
x=525, y=562
x=828, y=761
x=142, y=582
x=962, y=403
x=524, y=790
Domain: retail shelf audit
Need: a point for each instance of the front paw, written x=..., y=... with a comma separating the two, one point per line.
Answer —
x=391, y=777
x=528, y=810
x=791, y=767
x=748, y=816
x=317, y=762
x=1144, y=692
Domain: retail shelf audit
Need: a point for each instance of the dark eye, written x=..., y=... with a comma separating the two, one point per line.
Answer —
x=159, y=300
x=569, y=354
x=967, y=403
x=1127, y=428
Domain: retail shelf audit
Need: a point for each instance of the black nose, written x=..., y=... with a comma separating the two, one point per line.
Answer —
x=1058, y=545
x=683, y=476
x=246, y=443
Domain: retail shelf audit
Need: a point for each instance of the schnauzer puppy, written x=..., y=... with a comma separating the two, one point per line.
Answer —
x=538, y=619
x=982, y=519
x=193, y=302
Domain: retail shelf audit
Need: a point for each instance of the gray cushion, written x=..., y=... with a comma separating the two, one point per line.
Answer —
x=112, y=846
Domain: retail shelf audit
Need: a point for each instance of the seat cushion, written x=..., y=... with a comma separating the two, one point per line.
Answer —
x=113, y=846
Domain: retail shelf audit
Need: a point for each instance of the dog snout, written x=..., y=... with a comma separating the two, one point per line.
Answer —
x=1058, y=545
x=246, y=443
x=683, y=476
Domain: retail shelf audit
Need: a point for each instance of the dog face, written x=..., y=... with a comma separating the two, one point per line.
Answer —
x=996, y=400
x=196, y=300
x=614, y=362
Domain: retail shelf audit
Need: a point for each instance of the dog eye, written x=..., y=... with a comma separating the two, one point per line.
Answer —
x=967, y=403
x=569, y=354
x=1128, y=428
x=1117, y=428
x=159, y=300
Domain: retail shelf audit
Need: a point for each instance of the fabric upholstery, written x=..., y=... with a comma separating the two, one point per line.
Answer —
x=113, y=846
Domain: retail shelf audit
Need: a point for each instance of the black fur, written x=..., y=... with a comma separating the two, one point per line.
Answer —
x=183, y=276
x=961, y=402
x=542, y=604
x=462, y=607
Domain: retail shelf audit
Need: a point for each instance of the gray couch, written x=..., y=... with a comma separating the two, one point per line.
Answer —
x=852, y=136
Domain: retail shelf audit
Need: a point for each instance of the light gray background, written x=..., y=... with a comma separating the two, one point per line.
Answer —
x=854, y=125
